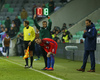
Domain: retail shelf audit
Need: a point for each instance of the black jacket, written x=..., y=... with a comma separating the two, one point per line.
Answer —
x=12, y=33
x=56, y=39
x=17, y=22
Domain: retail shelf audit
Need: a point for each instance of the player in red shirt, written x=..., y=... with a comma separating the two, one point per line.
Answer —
x=50, y=46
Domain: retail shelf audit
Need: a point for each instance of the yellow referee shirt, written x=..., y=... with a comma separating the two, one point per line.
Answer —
x=29, y=34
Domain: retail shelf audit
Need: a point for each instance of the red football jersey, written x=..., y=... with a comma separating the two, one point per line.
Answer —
x=49, y=45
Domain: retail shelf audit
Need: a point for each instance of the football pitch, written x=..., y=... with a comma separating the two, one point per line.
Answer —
x=13, y=69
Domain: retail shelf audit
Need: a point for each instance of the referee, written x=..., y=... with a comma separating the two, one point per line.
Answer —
x=29, y=36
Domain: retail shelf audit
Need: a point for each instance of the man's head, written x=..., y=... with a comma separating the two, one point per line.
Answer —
x=16, y=17
x=63, y=30
x=7, y=34
x=38, y=40
x=43, y=5
x=23, y=9
x=55, y=35
x=12, y=21
x=6, y=29
x=88, y=22
x=44, y=24
x=34, y=6
x=26, y=23
x=14, y=25
x=1, y=26
x=7, y=18
x=51, y=0
x=57, y=32
x=64, y=33
x=11, y=28
x=2, y=29
x=54, y=31
x=64, y=24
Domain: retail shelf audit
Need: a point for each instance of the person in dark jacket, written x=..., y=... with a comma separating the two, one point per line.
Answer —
x=7, y=23
x=15, y=28
x=90, y=35
x=64, y=26
x=55, y=37
x=20, y=47
x=11, y=32
x=44, y=33
x=51, y=6
x=67, y=33
x=17, y=22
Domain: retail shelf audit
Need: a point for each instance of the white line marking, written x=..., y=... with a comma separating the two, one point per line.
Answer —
x=34, y=70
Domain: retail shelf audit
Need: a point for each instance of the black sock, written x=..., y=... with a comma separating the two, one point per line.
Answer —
x=26, y=61
x=31, y=60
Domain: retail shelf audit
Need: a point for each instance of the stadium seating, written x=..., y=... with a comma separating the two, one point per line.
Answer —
x=13, y=7
x=7, y=5
x=79, y=34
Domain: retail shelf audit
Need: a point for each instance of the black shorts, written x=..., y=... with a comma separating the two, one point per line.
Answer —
x=31, y=47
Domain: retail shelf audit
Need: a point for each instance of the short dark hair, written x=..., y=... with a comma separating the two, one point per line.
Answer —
x=88, y=20
x=44, y=22
x=26, y=22
x=8, y=17
x=24, y=8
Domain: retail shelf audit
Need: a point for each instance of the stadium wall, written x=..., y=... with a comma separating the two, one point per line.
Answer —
x=78, y=56
x=73, y=12
x=13, y=49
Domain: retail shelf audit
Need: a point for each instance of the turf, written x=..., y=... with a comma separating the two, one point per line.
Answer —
x=65, y=69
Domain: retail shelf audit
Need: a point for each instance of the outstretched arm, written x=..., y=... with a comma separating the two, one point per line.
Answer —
x=35, y=22
x=50, y=23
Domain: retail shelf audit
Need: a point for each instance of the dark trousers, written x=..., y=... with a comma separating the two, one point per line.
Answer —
x=92, y=58
x=44, y=53
x=20, y=49
x=7, y=49
x=37, y=50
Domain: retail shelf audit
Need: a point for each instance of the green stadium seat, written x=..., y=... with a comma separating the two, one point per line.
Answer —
x=19, y=17
x=97, y=27
x=11, y=10
x=47, y=5
x=77, y=37
x=74, y=37
x=97, y=24
x=99, y=32
x=0, y=45
x=31, y=21
x=98, y=21
x=32, y=25
x=7, y=5
x=80, y=33
x=29, y=18
x=22, y=25
x=3, y=22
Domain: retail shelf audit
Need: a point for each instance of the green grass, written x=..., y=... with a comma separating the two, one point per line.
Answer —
x=65, y=69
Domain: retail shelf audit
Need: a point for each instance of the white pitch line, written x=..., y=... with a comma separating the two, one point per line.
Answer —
x=35, y=70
